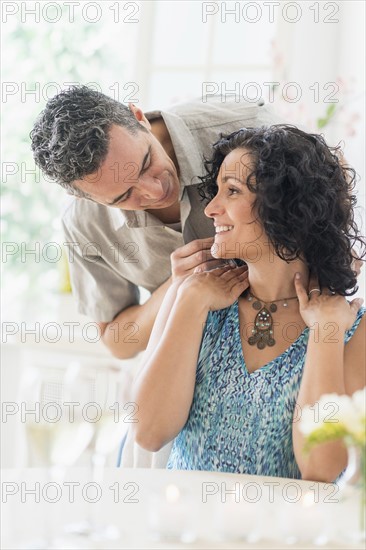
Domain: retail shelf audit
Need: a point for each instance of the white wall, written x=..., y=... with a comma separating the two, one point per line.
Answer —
x=332, y=55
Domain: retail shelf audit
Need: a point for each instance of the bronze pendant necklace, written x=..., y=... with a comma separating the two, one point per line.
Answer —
x=262, y=333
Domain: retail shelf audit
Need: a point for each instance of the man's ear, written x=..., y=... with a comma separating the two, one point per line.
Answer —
x=139, y=115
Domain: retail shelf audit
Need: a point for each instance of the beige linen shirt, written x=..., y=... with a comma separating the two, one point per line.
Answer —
x=112, y=252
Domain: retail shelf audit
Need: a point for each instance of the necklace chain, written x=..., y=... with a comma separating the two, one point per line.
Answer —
x=271, y=301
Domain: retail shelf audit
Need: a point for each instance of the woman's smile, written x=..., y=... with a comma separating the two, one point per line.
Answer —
x=223, y=228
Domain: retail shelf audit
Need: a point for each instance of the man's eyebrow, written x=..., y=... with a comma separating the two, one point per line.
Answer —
x=144, y=161
x=117, y=199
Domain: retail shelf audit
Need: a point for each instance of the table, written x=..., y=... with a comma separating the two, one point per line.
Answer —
x=152, y=507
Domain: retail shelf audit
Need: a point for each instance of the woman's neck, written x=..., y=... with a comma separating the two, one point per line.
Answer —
x=274, y=280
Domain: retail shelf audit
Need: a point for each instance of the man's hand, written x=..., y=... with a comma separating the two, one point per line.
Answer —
x=196, y=254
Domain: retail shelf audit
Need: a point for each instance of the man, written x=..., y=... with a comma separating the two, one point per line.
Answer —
x=135, y=176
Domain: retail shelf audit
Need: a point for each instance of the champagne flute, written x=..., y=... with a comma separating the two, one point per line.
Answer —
x=106, y=408
x=56, y=436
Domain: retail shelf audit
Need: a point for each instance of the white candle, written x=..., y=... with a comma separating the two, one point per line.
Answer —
x=172, y=515
x=303, y=520
x=236, y=519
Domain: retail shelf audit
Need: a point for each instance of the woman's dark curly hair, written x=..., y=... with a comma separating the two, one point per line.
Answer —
x=303, y=201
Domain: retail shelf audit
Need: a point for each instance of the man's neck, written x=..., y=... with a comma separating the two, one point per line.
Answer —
x=167, y=215
x=160, y=131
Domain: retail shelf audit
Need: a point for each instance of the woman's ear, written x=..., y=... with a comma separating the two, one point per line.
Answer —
x=139, y=115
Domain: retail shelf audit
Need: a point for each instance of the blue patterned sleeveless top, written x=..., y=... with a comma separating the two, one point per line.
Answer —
x=241, y=422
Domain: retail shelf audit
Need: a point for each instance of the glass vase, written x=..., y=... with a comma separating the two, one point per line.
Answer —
x=353, y=492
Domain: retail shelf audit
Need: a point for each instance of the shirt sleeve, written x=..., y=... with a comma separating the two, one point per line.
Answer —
x=99, y=290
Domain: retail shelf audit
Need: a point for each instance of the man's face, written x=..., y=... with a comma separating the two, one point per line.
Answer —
x=137, y=173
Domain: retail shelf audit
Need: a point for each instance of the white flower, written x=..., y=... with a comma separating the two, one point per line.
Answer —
x=359, y=401
x=333, y=409
x=355, y=423
x=307, y=424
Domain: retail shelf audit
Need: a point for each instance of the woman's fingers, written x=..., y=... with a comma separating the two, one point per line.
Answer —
x=233, y=279
x=313, y=287
x=300, y=291
x=356, y=304
x=356, y=266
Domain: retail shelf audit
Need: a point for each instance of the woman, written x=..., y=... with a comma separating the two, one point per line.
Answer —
x=238, y=351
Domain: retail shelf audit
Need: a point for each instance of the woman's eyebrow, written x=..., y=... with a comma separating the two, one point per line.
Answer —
x=232, y=177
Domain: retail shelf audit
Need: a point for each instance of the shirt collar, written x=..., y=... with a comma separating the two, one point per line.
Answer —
x=118, y=217
x=132, y=218
x=188, y=157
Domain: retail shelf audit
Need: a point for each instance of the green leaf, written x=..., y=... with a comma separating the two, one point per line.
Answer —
x=329, y=114
x=328, y=432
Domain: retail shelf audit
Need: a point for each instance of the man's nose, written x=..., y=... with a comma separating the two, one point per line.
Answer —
x=150, y=188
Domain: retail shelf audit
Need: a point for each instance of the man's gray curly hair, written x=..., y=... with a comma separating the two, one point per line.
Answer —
x=70, y=137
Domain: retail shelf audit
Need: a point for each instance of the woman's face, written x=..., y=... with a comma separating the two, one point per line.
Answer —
x=238, y=233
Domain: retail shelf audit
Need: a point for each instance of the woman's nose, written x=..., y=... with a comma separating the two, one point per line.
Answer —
x=213, y=208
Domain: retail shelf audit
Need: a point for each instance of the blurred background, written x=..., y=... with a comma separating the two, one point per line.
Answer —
x=306, y=59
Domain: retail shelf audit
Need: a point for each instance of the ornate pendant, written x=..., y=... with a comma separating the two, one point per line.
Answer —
x=262, y=333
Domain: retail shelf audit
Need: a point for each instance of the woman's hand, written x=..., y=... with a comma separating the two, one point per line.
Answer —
x=356, y=266
x=320, y=306
x=215, y=289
